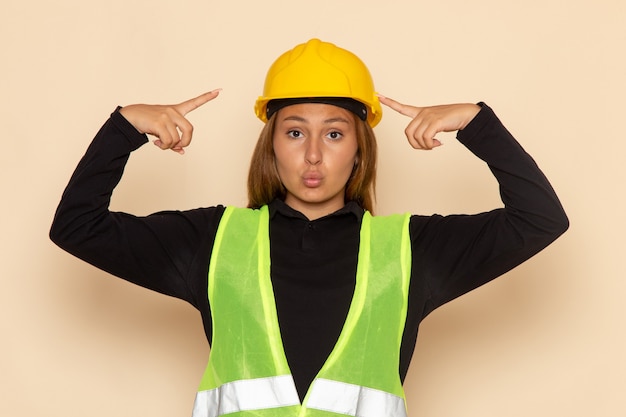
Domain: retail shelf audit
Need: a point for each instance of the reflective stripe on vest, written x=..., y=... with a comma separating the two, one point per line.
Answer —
x=353, y=400
x=247, y=395
x=280, y=391
x=248, y=374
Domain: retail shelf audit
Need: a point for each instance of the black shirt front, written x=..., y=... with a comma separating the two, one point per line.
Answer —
x=313, y=262
x=313, y=275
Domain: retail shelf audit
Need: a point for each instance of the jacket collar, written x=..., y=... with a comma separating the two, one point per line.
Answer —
x=279, y=206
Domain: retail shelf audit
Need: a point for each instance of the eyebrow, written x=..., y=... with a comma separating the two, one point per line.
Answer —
x=327, y=121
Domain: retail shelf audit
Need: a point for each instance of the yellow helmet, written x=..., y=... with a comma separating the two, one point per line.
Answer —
x=323, y=70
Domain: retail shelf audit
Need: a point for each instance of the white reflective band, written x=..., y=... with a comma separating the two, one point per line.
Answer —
x=250, y=394
x=354, y=400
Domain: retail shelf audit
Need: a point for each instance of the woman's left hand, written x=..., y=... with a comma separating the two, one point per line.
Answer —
x=428, y=121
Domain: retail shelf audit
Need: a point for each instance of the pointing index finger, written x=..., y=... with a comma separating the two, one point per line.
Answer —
x=406, y=110
x=192, y=104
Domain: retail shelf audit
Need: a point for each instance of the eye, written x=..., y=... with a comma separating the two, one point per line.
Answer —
x=295, y=134
x=335, y=135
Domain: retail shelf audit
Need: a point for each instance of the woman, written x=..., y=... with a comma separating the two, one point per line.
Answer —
x=310, y=304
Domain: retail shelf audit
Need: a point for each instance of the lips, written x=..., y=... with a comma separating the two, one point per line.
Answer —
x=312, y=179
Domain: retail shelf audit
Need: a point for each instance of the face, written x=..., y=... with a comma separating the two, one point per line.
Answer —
x=316, y=149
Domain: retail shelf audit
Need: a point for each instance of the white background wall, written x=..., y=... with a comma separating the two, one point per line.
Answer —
x=547, y=339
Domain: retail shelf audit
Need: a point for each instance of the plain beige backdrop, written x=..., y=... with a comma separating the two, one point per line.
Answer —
x=546, y=339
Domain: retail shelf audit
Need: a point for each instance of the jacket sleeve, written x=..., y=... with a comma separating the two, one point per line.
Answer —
x=165, y=251
x=455, y=254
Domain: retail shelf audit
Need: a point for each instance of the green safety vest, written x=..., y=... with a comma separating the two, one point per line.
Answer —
x=247, y=373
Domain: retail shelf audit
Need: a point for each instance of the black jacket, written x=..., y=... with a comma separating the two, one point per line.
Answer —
x=313, y=262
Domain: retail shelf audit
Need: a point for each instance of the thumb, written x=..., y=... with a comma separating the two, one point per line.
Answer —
x=192, y=104
x=404, y=109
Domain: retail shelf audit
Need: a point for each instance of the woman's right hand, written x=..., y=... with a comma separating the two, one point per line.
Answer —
x=167, y=122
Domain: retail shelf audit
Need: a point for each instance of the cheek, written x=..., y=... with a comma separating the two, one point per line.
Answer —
x=343, y=166
x=280, y=169
x=351, y=156
x=283, y=161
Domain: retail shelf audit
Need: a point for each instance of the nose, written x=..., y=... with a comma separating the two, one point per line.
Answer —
x=313, y=152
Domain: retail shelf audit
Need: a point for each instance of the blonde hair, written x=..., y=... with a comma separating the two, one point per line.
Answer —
x=264, y=184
